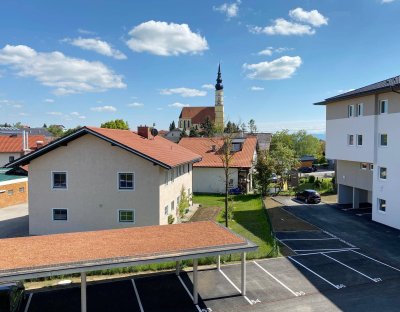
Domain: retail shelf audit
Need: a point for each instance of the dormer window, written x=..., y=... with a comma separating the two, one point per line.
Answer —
x=236, y=147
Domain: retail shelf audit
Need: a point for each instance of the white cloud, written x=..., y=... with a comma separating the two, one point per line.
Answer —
x=85, y=31
x=184, y=92
x=49, y=100
x=230, y=9
x=97, y=45
x=208, y=86
x=254, y=88
x=266, y=52
x=23, y=114
x=17, y=106
x=82, y=117
x=103, y=109
x=387, y=1
x=75, y=114
x=344, y=90
x=270, y=50
x=284, y=27
x=161, y=38
x=178, y=105
x=281, y=68
x=135, y=104
x=54, y=113
x=159, y=108
x=66, y=74
x=312, y=17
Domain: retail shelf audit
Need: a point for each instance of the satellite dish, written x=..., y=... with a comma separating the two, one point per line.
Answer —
x=154, y=132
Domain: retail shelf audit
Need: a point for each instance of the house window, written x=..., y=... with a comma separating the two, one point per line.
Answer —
x=126, y=181
x=350, y=139
x=360, y=109
x=363, y=166
x=236, y=147
x=230, y=183
x=371, y=167
x=184, y=168
x=172, y=206
x=59, y=180
x=381, y=205
x=350, y=111
x=383, y=139
x=178, y=199
x=10, y=192
x=166, y=177
x=11, y=158
x=172, y=175
x=359, y=139
x=127, y=215
x=166, y=210
x=21, y=189
x=60, y=214
x=188, y=167
x=382, y=173
x=383, y=107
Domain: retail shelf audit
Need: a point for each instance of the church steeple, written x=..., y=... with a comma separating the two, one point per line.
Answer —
x=219, y=85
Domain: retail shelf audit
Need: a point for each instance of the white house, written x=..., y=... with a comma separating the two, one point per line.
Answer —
x=209, y=174
x=362, y=128
x=99, y=178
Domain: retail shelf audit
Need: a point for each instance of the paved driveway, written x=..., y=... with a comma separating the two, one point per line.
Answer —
x=14, y=221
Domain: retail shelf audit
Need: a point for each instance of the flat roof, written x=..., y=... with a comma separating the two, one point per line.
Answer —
x=38, y=256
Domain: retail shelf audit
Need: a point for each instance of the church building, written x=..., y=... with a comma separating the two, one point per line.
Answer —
x=193, y=117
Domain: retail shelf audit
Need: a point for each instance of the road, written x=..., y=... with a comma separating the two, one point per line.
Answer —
x=14, y=221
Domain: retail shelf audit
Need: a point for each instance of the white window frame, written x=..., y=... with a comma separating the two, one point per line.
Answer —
x=172, y=205
x=362, y=139
x=66, y=182
x=21, y=189
x=348, y=139
x=130, y=210
x=133, y=181
x=10, y=192
x=379, y=205
x=360, y=109
x=52, y=214
x=350, y=111
x=386, y=107
x=379, y=173
x=380, y=140
x=362, y=166
x=371, y=167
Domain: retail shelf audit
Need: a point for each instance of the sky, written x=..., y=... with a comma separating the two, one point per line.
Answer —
x=86, y=62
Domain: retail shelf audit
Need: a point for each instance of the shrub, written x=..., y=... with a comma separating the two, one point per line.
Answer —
x=311, y=179
x=317, y=183
x=171, y=219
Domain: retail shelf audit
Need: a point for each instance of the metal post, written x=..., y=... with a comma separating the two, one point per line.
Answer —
x=218, y=262
x=178, y=268
x=83, y=292
x=243, y=265
x=195, y=281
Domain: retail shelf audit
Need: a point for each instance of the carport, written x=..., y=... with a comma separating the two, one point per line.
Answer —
x=83, y=252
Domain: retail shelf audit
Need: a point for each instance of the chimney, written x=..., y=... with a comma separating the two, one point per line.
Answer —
x=213, y=147
x=39, y=144
x=145, y=132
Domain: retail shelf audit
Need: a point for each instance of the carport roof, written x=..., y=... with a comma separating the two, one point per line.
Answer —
x=38, y=256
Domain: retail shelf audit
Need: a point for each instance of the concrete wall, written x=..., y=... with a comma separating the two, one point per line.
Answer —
x=212, y=180
x=19, y=188
x=93, y=198
x=4, y=158
x=350, y=173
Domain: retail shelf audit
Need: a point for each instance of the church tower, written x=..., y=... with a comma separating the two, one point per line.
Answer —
x=219, y=101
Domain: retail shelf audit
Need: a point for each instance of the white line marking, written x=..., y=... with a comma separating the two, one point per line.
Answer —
x=318, y=253
x=324, y=279
x=294, y=293
x=389, y=266
x=28, y=303
x=237, y=288
x=325, y=249
x=284, y=244
x=188, y=292
x=351, y=268
x=330, y=234
x=308, y=239
x=137, y=295
x=363, y=214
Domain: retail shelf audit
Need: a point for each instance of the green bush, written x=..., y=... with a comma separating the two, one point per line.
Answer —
x=311, y=179
x=317, y=183
x=171, y=219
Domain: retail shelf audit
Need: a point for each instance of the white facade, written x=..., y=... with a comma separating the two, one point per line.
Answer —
x=362, y=168
x=212, y=180
x=92, y=197
x=5, y=158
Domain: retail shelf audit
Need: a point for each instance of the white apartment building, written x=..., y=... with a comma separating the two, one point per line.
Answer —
x=362, y=129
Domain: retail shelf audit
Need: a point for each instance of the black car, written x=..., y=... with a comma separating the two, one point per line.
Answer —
x=309, y=196
x=11, y=296
x=305, y=169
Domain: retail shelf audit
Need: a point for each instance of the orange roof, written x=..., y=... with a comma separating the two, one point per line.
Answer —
x=26, y=254
x=13, y=144
x=198, y=114
x=203, y=147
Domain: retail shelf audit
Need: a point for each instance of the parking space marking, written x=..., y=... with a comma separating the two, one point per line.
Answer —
x=342, y=240
x=237, y=288
x=137, y=295
x=316, y=274
x=308, y=239
x=189, y=293
x=389, y=266
x=353, y=269
x=28, y=302
x=300, y=293
x=321, y=250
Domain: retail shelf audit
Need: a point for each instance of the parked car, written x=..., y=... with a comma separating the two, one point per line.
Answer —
x=235, y=191
x=11, y=296
x=309, y=196
x=305, y=169
x=274, y=178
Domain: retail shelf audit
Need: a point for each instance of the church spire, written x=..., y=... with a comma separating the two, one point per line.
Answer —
x=219, y=85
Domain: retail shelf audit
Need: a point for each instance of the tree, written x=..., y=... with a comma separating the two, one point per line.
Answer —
x=231, y=127
x=305, y=144
x=44, y=126
x=252, y=126
x=208, y=127
x=183, y=202
x=172, y=126
x=264, y=169
x=55, y=130
x=116, y=124
x=183, y=133
x=281, y=137
x=193, y=133
x=71, y=130
x=18, y=125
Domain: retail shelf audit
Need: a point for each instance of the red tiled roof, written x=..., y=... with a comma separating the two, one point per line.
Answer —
x=13, y=144
x=203, y=147
x=198, y=114
x=157, y=148
x=29, y=253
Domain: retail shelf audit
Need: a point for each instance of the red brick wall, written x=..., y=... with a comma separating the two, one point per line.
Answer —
x=17, y=197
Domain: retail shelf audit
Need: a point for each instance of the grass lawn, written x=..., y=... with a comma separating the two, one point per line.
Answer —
x=326, y=188
x=249, y=220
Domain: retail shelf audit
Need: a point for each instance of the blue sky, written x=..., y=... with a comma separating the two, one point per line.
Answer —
x=86, y=62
